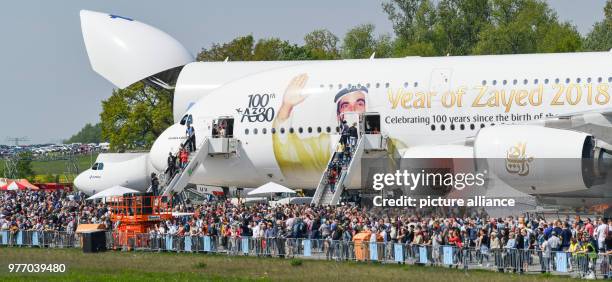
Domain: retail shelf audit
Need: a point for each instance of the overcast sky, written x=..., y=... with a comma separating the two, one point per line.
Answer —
x=49, y=90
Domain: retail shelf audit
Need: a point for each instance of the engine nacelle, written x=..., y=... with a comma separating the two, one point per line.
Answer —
x=538, y=160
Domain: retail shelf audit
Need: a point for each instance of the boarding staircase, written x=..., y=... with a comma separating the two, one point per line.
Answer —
x=367, y=143
x=208, y=147
x=324, y=194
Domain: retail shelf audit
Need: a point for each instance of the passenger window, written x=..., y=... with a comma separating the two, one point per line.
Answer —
x=273, y=130
x=100, y=166
x=328, y=129
x=318, y=129
x=337, y=129
x=282, y=130
x=433, y=127
x=472, y=126
x=442, y=127
x=291, y=130
x=309, y=129
x=255, y=131
x=300, y=130
x=246, y=131
x=462, y=126
x=264, y=131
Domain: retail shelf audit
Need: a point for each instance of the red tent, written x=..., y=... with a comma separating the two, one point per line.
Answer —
x=19, y=184
x=55, y=186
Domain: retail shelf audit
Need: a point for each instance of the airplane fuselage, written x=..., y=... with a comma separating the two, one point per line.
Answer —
x=421, y=101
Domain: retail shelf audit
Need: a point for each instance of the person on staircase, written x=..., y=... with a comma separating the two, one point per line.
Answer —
x=333, y=175
x=353, y=135
x=183, y=157
x=154, y=183
x=340, y=152
x=344, y=131
x=190, y=138
x=347, y=155
x=171, y=165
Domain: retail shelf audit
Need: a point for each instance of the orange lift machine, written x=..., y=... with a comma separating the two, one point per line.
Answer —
x=134, y=214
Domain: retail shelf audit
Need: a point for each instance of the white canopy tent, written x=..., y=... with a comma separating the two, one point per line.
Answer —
x=113, y=191
x=13, y=186
x=270, y=188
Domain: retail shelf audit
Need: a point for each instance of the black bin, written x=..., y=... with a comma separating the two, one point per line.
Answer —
x=94, y=241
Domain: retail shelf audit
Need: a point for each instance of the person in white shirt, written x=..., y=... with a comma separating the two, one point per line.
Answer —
x=600, y=234
x=255, y=230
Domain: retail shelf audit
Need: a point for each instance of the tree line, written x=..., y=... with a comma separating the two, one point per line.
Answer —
x=133, y=117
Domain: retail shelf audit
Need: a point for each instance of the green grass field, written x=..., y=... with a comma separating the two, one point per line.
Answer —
x=59, y=167
x=132, y=266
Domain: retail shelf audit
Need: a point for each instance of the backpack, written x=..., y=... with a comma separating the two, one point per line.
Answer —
x=295, y=229
x=302, y=228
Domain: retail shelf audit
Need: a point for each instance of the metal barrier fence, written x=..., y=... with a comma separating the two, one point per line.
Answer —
x=584, y=265
x=43, y=239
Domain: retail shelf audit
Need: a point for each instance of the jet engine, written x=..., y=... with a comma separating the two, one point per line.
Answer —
x=540, y=160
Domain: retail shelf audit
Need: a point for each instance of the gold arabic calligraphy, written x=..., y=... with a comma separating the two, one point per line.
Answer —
x=517, y=161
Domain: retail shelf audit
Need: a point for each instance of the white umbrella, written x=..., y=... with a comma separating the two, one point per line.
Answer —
x=113, y=191
x=12, y=186
x=270, y=188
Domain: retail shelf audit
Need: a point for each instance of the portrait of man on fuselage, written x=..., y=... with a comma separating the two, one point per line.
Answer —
x=304, y=157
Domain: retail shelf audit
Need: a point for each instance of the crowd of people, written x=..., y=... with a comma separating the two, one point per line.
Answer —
x=42, y=210
x=62, y=211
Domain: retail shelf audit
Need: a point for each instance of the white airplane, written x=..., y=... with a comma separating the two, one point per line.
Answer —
x=280, y=118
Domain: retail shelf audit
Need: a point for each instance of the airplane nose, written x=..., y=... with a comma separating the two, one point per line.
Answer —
x=80, y=182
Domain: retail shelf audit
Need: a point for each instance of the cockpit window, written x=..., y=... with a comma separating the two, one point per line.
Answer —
x=97, y=166
x=187, y=119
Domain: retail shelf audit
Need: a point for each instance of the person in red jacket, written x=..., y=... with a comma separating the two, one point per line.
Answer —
x=455, y=239
x=184, y=157
x=333, y=174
